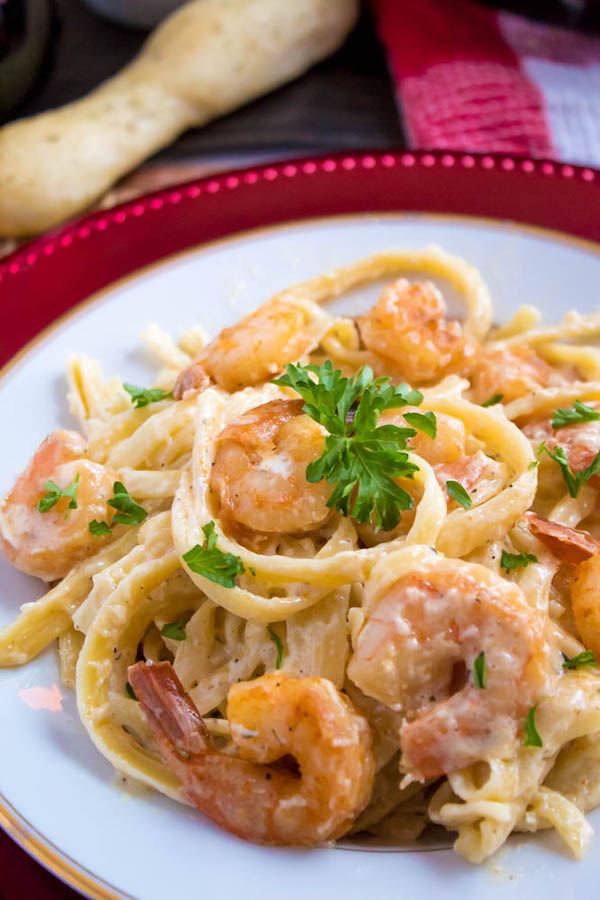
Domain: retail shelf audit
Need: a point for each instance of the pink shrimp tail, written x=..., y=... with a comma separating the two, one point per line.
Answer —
x=177, y=725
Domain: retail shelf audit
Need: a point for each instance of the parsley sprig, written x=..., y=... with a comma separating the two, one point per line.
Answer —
x=143, y=396
x=575, y=414
x=573, y=480
x=212, y=563
x=511, y=561
x=54, y=494
x=360, y=459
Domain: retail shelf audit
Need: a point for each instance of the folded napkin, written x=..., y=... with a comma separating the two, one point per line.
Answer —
x=472, y=78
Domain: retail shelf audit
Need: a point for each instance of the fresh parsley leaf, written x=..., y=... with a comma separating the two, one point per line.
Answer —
x=130, y=512
x=277, y=641
x=533, y=464
x=573, y=480
x=97, y=528
x=479, y=672
x=54, y=494
x=585, y=658
x=174, y=630
x=360, y=459
x=425, y=422
x=579, y=412
x=516, y=560
x=457, y=491
x=252, y=570
x=212, y=563
x=130, y=692
x=532, y=735
x=493, y=400
x=144, y=396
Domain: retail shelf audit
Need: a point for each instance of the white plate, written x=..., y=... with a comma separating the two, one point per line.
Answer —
x=58, y=796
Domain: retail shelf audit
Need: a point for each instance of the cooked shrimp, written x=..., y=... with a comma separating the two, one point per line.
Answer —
x=481, y=477
x=194, y=378
x=449, y=444
x=585, y=602
x=416, y=652
x=409, y=330
x=49, y=544
x=569, y=545
x=259, y=472
x=512, y=372
x=252, y=351
x=581, y=442
x=271, y=718
x=578, y=548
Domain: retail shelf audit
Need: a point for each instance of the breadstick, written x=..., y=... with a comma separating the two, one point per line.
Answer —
x=205, y=60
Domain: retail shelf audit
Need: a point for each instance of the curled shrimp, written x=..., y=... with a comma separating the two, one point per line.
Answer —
x=512, y=372
x=270, y=718
x=48, y=544
x=427, y=619
x=253, y=350
x=259, y=472
x=409, y=330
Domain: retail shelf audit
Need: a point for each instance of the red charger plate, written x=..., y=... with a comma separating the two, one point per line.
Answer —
x=44, y=279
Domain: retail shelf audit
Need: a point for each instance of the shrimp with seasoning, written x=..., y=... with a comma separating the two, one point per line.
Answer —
x=573, y=547
x=408, y=329
x=427, y=619
x=271, y=719
x=581, y=442
x=48, y=544
x=253, y=351
x=513, y=372
x=259, y=472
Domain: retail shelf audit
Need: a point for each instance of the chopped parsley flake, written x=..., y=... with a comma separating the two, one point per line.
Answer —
x=532, y=735
x=54, y=494
x=174, y=630
x=144, y=396
x=479, y=672
x=277, y=641
x=212, y=563
x=512, y=561
x=457, y=491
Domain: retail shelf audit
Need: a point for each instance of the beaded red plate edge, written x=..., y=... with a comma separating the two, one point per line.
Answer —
x=45, y=278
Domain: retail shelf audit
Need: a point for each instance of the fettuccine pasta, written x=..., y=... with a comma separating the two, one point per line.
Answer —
x=332, y=576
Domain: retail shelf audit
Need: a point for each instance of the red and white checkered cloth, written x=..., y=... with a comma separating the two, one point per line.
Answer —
x=472, y=78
